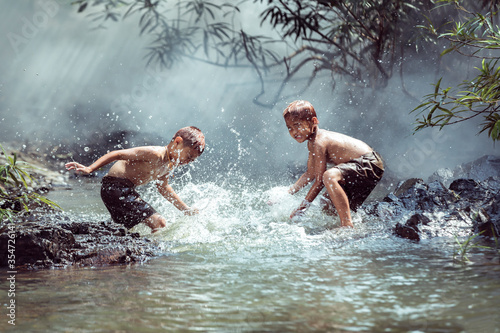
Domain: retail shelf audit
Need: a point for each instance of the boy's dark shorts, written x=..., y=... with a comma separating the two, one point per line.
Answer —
x=361, y=175
x=123, y=202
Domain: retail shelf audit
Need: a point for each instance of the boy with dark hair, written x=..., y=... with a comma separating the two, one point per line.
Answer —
x=357, y=167
x=138, y=166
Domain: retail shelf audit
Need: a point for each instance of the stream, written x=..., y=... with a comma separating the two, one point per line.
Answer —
x=243, y=266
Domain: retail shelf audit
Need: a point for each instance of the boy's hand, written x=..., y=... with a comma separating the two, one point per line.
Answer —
x=79, y=168
x=297, y=213
x=301, y=210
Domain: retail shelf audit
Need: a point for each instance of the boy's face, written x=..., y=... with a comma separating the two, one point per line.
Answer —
x=185, y=155
x=300, y=130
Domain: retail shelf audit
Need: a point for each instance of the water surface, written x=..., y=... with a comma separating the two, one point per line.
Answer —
x=242, y=266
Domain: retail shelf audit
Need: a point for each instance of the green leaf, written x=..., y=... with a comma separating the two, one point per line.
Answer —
x=436, y=89
x=495, y=131
x=448, y=50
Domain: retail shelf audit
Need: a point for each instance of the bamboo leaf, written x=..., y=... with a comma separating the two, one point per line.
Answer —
x=436, y=90
x=495, y=131
x=448, y=50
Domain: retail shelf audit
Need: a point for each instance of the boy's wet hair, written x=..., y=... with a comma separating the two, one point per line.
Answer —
x=193, y=137
x=302, y=110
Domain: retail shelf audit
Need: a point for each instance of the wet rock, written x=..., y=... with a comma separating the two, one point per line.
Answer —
x=407, y=232
x=391, y=197
x=410, y=229
x=488, y=220
x=406, y=185
x=480, y=170
x=456, y=203
x=467, y=206
x=415, y=195
x=57, y=241
x=417, y=219
x=443, y=175
x=465, y=187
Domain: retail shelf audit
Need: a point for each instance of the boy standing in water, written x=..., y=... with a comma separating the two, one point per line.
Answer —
x=138, y=166
x=357, y=167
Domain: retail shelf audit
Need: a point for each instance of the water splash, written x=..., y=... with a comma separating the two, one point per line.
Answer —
x=238, y=218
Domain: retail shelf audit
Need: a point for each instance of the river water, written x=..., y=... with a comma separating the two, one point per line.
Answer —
x=242, y=266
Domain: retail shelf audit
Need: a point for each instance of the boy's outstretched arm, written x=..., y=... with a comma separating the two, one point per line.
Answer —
x=131, y=154
x=168, y=193
x=102, y=161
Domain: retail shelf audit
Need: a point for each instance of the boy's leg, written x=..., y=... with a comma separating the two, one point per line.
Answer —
x=331, y=179
x=155, y=222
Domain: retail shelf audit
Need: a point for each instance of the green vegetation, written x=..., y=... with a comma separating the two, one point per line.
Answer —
x=16, y=194
x=476, y=37
x=464, y=248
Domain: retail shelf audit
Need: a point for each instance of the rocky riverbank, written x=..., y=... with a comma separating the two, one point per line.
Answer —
x=465, y=207
x=54, y=240
x=456, y=202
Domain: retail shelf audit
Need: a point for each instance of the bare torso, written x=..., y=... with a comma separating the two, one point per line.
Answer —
x=140, y=171
x=337, y=148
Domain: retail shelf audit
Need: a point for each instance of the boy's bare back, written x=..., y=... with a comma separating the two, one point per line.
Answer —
x=332, y=147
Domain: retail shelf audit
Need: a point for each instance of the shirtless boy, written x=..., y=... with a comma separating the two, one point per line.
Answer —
x=357, y=167
x=138, y=166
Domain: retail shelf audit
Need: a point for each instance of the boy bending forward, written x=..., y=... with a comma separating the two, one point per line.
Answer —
x=138, y=166
x=357, y=167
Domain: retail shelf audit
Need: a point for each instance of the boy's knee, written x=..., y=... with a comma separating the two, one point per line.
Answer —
x=332, y=176
x=160, y=221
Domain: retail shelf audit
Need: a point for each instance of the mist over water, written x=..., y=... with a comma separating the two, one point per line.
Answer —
x=63, y=80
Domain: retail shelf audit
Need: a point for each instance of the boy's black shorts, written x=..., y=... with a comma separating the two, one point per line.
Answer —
x=361, y=175
x=123, y=202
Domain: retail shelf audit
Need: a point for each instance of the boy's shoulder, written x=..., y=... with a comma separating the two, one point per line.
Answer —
x=326, y=139
x=332, y=136
x=326, y=136
x=326, y=131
